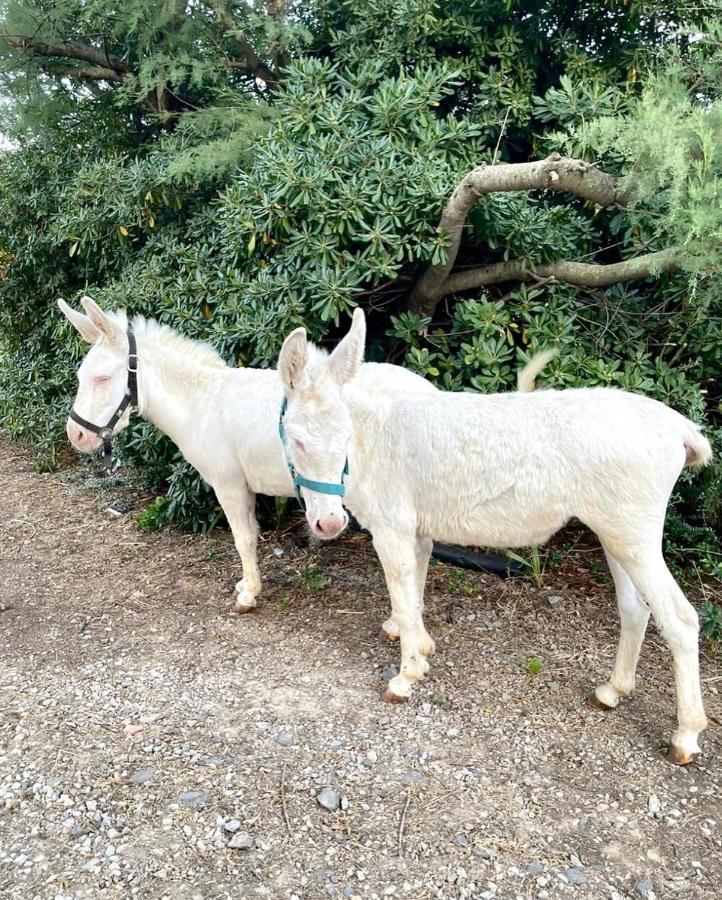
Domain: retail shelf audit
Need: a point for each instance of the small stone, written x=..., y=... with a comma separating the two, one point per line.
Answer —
x=285, y=739
x=574, y=876
x=328, y=799
x=482, y=853
x=653, y=804
x=415, y=775
x=232, y=826
x=241, y=841
x=554, y=600
x=194, y=799
x=389, y=672
x=140, y=776
x=535, y=868
x=644, y=887
x=461, y=839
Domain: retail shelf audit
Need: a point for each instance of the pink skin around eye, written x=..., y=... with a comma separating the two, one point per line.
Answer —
x=299, y=445
x=101, y=379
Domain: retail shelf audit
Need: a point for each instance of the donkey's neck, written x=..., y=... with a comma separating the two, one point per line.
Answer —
x=174, y=386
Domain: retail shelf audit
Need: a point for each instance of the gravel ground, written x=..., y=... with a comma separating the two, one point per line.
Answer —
x=153, y=746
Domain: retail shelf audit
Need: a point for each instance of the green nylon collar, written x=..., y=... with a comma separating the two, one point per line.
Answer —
x=321, y=487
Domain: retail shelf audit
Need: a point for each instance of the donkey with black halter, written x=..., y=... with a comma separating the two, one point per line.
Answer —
x=224, y=420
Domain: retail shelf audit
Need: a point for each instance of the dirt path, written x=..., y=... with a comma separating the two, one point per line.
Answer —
x=492, y=782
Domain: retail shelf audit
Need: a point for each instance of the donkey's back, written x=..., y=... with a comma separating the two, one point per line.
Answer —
x=511, y=469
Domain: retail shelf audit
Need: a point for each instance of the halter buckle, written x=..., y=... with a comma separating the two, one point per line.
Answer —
x=134, y=367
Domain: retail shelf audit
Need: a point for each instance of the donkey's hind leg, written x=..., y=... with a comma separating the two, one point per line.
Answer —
x=678, y=623
x=633, y=617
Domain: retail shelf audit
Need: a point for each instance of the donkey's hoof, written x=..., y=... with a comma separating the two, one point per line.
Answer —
x=679, y=757
x=387, y=637
x=240, y=609
x=391, y=697
x=595, y=703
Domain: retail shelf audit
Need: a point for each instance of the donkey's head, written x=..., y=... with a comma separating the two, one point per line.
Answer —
x=317, y=422
x=103, y=374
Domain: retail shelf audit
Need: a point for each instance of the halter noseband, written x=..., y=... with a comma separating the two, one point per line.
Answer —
x=130, y=399
x=321, y=487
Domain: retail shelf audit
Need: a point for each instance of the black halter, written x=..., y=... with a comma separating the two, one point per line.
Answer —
x=130, y=399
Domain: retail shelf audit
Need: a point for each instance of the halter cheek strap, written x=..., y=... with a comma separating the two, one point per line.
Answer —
x=130, y=399
x=321, y=487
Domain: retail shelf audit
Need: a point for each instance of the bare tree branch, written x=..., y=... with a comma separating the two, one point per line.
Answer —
x=555, y=173
x=582, y=274
x=85, y=73
x=96, y=56
x=254, y=64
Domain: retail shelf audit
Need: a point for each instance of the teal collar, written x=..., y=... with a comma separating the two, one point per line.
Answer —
x=321, y=487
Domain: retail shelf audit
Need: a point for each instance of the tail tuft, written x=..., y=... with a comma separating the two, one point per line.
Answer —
x=699, y=450
x=526, y=378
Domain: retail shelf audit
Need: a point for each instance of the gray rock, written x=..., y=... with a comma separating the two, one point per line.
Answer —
x=347, y=891
x=328, y=799
x=461, y=839
x=644, y=887
x=653, y=804
x=194, y=799
x=415, y=775
x=232, y=826
x=554, y=600
x=285, y=739
x=389, y=672
x=140, y=776
x=482, y=853
x=242, y=841
x=535, y=868
x=574, y=876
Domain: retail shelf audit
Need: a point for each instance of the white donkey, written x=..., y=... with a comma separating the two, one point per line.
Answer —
x=505, y=470
x=224, y=420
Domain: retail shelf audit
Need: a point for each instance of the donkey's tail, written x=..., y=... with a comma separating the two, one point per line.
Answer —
x=526, y=378
x=699, y=450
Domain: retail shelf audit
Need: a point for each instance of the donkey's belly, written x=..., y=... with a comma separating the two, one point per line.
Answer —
x=495, y=527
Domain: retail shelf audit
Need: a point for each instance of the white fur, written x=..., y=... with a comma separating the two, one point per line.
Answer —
x=508, y=471
x=223, y=420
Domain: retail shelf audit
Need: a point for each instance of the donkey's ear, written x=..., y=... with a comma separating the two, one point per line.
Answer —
x=105, y=325
x=346, y=359
x=87, y=330
x=293, y=357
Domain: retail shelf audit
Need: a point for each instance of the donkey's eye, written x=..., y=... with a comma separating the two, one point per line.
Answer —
x=299, y=445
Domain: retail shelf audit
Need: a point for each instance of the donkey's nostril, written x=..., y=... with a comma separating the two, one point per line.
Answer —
x=319, y=526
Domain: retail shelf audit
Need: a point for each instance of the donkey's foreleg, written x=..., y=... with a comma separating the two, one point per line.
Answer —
x=398, y=557
x=390, y=627
x=239, y=507
x=633, y=617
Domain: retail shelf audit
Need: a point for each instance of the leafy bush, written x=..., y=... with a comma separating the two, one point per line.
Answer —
x=235, y=213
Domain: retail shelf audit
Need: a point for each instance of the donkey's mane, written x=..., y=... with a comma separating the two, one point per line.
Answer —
x=198, y=351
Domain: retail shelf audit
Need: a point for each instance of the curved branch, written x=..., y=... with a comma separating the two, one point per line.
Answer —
x=555, y=173
x=582, y=274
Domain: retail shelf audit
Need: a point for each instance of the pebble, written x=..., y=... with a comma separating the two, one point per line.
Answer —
x=140, y=776
x=535, y=868
x=194, y=799
x=389, y=672
x=328, y=799
x=644, y=888
x=232, y=825
x=242, y=841
x=653, y=804
x=482, y=853
x=574, y=876
x=285, y=739
x=554, y=600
